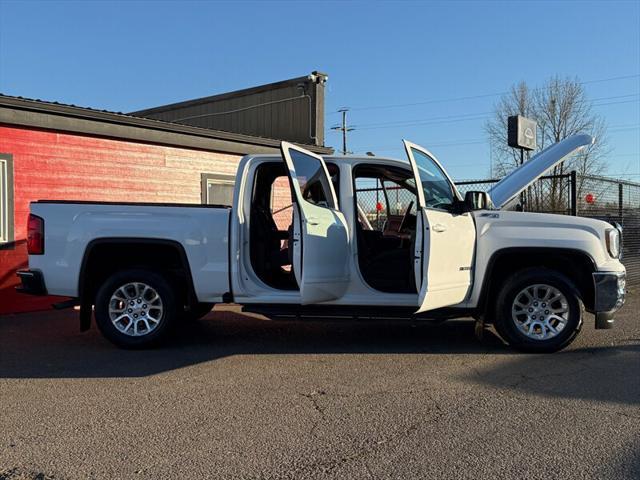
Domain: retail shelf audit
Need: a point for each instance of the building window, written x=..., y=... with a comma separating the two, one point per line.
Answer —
x=217, y=189
x=6, y=201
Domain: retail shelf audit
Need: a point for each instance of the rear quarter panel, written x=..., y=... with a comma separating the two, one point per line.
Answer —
x=70, y=227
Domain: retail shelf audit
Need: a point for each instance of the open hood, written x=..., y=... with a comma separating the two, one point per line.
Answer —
x=514, y=183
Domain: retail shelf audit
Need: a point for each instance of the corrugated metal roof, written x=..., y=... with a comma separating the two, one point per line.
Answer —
x=19, y=110
x=51, y=102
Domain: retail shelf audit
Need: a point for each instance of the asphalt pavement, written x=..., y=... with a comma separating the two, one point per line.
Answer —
x=237, y=396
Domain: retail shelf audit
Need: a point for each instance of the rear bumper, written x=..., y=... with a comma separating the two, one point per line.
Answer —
x=610, y=290
x=31, y=282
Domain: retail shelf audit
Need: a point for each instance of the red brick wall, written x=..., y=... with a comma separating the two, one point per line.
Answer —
x=62, y=166
x=281, y=203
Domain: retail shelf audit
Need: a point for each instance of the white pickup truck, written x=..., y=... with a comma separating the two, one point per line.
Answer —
x=302, y=241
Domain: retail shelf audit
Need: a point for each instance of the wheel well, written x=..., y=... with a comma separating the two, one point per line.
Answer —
x=105, y=257
x=575, y=265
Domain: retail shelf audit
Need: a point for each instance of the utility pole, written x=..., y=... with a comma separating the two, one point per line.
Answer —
x=344, y=129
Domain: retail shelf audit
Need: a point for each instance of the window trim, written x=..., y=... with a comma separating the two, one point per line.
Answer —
x=205, y=178
x=9, y=243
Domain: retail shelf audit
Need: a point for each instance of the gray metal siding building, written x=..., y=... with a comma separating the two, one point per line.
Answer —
x=291, y=110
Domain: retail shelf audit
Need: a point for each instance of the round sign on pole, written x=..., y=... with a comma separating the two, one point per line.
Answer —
x=590, y=198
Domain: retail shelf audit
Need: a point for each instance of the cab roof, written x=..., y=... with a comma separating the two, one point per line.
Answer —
x=348, y=159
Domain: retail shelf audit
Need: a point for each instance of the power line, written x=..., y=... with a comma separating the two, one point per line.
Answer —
x=614, y=130
x=449, y=143
x=463, y=142
x=460, y=118
x=431, y=121
x=473, y=97
x=614, y=103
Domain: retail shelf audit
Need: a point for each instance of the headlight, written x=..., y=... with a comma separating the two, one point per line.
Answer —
x=612, y=237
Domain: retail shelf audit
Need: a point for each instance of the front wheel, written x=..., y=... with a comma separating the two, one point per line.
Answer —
x=135, y=308
x=538, y=310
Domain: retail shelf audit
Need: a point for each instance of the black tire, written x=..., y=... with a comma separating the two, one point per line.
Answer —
x=507, y=327
x=198, y=311
x=165, y=319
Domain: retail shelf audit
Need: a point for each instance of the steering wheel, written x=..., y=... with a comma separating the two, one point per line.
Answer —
x=443, y=206
x=405, y=216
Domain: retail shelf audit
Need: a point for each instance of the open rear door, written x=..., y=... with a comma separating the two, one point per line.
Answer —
x=445, y=241
x=320, y=236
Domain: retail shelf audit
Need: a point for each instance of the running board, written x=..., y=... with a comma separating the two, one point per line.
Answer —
x=340, y=312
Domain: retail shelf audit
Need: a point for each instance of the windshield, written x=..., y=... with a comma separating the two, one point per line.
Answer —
x=438, y=192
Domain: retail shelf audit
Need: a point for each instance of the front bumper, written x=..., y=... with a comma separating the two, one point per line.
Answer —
x=609, y=289
x=32, y=282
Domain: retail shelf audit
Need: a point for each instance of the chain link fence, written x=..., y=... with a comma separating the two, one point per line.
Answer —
x=372, y=202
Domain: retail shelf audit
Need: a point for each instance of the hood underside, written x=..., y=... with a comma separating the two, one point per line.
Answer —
x=514, y=183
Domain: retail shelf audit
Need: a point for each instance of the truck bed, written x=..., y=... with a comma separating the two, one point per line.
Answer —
x=73, y=227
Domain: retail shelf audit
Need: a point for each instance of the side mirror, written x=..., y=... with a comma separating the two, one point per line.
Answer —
x=477, y=201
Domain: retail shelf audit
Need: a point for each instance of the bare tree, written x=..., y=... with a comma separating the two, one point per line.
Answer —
x=561, y=109
x=518, y=101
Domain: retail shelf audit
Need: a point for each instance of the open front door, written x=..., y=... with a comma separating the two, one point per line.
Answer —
x=445, y=241
x=320, y=237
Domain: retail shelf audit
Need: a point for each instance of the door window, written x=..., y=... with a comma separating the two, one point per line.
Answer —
x=312, y=180
x=438, y=191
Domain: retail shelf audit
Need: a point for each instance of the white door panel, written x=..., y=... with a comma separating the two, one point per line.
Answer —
x=325, y=254
x=448, y=253
x=445, y=241
x=320, y=234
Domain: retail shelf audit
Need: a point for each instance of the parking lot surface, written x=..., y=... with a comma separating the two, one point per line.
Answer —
x=236, y=396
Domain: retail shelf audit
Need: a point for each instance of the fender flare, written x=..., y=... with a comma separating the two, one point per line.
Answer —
x=488, y=281
x=86, y=300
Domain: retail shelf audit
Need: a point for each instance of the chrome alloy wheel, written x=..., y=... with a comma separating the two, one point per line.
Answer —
x=540, y=311
x=135, y=309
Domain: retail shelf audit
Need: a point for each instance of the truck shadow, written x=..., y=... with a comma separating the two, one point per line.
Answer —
x=49, y=344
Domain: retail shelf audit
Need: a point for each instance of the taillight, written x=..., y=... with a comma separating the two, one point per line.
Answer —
x=35, y=235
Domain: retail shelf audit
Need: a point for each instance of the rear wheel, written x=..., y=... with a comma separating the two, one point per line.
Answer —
x=135, y=308
x=538, y=310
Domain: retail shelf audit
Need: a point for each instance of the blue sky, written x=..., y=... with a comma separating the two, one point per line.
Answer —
x=126, y=56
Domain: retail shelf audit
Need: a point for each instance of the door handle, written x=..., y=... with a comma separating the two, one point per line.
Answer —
x=438, y=227
x=312, y=221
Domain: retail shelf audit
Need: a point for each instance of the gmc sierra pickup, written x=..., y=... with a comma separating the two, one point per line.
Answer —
x=423, y=252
